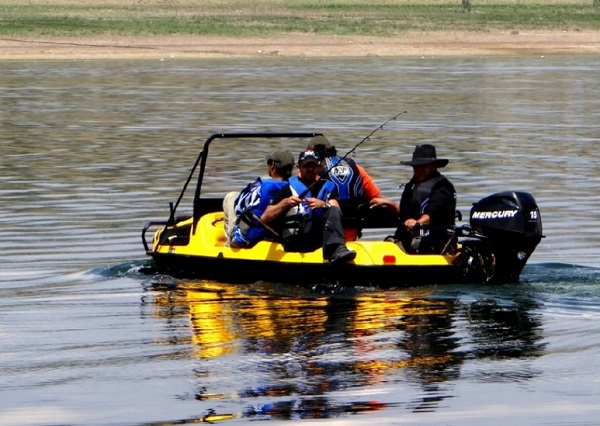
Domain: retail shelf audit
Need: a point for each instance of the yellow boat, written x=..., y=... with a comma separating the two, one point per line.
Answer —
x=503, y=231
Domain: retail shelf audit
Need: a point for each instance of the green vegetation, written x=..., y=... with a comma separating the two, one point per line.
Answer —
x=270, y=17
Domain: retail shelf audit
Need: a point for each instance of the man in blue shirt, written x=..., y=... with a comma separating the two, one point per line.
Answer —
x=243, y=227
x=308, y=214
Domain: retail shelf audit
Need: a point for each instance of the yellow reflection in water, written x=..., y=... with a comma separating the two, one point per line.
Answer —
x=211, y=325
x=387, y=331
x=409, y=312
x=222, y=320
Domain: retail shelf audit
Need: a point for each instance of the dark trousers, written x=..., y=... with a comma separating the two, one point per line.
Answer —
x=432, y=241
x=320, y=231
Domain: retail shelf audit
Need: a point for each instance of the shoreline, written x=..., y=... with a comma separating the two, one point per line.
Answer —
x=433, y=43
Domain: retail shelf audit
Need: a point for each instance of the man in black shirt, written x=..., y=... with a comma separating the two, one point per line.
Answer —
x=427, y=206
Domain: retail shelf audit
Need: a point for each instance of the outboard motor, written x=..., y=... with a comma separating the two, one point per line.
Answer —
x=512, y=225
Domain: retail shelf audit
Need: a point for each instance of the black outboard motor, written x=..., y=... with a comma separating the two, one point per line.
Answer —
x=512, y=225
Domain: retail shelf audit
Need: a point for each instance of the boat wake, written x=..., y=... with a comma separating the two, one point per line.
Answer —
x=564, y=273
x=132, y=269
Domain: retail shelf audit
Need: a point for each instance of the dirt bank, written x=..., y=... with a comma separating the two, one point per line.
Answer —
x=410, y=44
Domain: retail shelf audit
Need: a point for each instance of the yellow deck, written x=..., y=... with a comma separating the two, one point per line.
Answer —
x=209, y=241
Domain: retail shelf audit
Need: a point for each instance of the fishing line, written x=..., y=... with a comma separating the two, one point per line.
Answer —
x=366, y=138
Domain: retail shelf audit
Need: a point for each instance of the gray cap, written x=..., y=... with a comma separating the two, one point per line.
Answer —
x=319, y=140
x=281, y=158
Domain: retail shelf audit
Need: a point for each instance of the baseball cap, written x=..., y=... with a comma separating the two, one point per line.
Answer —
x=308, y=156
x=281, y=158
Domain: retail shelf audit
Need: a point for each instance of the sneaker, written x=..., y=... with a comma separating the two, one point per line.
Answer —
x=342, y=254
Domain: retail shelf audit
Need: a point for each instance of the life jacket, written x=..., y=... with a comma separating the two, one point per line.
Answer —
x=248, y=197
x=297, y=216
x=249, y=206
x=421, y=193
x=346, y=176
x=423, y=238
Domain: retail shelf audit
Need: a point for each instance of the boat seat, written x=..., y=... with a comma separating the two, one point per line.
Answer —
x=218, y=223
x=211, y=228
x=366, y=217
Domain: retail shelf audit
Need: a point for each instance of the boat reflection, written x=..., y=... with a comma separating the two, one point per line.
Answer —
x=307, y=354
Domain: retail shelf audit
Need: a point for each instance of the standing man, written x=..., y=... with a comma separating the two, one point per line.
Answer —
x=308, y=214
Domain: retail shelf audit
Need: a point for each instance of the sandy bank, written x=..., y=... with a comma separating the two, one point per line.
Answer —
x=410, y=44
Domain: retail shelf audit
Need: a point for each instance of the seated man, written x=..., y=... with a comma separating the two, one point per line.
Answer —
x=242, y=210
x=355, y=186
x=307, y=213
x=427, y=206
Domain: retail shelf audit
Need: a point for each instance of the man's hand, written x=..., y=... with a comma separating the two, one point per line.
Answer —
x=272, y=212
x=315, y=203
x=292, y=201
x=385, y=202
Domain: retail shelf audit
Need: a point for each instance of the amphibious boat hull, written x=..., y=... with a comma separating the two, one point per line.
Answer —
x=204, y=255
x=503, y=231
x=247, y=271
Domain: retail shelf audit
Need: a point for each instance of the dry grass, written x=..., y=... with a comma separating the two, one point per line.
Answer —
x=274, y=3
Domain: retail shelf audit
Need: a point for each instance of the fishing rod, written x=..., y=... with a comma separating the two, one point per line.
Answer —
x=340, y=159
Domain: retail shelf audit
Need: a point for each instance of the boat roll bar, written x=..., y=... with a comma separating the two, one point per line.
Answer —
x=204, y=155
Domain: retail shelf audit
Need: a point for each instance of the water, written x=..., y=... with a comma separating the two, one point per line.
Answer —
x=93, y=150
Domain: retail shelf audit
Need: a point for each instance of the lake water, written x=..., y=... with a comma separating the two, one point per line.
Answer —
x=91, y=151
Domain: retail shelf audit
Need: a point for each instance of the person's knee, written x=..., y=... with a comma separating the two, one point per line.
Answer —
x=229, y=200
x=229, y=215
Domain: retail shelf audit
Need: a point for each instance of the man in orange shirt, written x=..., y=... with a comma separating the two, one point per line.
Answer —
x=355, y=186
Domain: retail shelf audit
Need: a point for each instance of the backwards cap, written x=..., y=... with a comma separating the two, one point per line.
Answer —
x=308, y=156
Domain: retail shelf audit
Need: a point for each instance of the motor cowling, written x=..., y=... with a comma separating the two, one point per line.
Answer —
x=512, y=225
